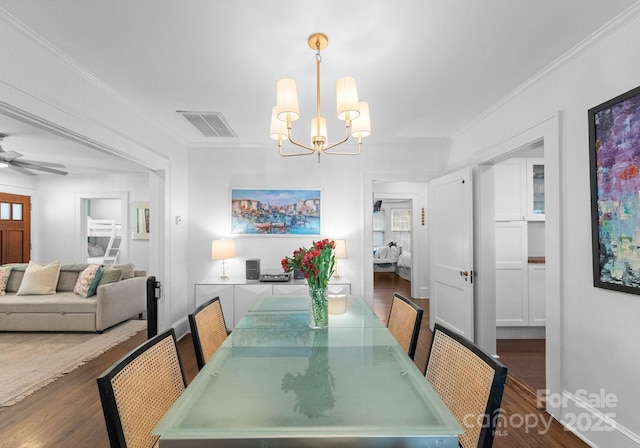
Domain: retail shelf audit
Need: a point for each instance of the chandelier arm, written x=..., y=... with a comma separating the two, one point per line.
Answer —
x=333, y=145
x=293, y=142
x=294, y=154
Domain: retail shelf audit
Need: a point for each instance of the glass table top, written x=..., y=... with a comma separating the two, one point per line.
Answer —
x=275, y=379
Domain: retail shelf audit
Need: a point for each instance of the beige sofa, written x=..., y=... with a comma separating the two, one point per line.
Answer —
x=68, y=311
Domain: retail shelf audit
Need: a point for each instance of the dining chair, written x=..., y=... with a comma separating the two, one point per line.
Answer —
x=469, y=381
x=139, y=389
x=208, y=330
x=404, y=322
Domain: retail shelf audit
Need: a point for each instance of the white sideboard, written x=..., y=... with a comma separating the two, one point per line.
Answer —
x=238, y=295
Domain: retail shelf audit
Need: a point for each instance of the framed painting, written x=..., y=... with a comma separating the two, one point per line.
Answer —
x=275, y=212
x=614, y=152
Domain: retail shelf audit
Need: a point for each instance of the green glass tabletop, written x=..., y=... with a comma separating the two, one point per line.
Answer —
x=277, y=381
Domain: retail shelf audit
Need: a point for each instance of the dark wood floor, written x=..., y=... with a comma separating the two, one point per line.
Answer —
x=525, y=359
x=67, y=413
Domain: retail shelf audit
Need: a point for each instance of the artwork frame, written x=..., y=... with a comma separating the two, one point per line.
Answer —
x=275, y=211
x=140, y=221
x=614, y=157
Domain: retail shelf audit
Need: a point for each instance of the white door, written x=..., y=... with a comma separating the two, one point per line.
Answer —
x=451, y=251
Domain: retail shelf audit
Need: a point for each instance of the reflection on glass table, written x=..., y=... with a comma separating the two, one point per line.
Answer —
x=275, y=382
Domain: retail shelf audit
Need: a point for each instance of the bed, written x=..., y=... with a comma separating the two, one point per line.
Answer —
x=110, y=232
x=385, y=258
x=403, y=266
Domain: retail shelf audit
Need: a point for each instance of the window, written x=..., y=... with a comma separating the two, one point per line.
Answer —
x=378, y=228
x=401, y=227
x=10, y=211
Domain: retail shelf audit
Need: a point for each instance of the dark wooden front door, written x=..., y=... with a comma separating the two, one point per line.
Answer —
x=15, y=228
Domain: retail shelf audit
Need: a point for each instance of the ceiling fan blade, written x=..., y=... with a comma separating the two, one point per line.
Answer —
x=31, y=166
x=21, y=170
x=37, y=162
x=9, y=155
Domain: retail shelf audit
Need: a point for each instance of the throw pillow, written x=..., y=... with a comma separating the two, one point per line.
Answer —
x=5, y=272
x=110, y=275
x=85, y=280
x=127, y=270
x=40, y=279
x=93, y=288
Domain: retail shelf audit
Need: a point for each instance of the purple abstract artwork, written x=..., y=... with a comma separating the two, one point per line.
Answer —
x=615, y=145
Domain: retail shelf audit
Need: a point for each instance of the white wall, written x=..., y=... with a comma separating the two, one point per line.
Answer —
x=345, y=205
x=599, y=329
x=55, y=210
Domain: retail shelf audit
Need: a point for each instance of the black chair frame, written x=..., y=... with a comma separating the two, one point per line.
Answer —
x=492, y=410
x=416, y=327
x=195, y=335
x=109, y=406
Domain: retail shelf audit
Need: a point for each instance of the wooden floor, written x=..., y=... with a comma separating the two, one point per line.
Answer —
x=67, y=413
x=526, y=359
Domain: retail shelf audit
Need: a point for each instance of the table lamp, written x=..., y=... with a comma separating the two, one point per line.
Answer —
x=340, y=251
x=223, y=250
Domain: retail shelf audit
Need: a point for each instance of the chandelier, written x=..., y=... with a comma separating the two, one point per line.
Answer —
x=354, y=113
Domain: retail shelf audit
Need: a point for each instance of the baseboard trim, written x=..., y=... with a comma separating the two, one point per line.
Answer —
x=595, y=425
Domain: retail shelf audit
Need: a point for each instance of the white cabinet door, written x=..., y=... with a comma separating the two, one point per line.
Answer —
x=246, y=296
x=285, y=289
x=535, y=189
x=510, y=190
x=204, y=292
x=537, y=297
x=512, y=290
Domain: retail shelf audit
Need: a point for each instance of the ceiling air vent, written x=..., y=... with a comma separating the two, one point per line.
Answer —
x=210, y=124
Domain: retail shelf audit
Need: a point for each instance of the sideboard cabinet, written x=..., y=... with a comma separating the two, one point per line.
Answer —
x=238, y=295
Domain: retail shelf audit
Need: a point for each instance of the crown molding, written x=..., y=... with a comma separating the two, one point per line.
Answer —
x=606, y=30
x=83, y=72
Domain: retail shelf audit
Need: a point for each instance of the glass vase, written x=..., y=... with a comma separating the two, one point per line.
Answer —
x=318, y=308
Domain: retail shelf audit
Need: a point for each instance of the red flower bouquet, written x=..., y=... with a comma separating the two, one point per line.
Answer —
x=316, y=263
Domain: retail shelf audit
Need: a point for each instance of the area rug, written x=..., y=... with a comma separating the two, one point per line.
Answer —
x=30, y=361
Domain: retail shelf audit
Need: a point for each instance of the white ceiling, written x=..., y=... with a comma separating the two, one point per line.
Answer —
x=426, y=67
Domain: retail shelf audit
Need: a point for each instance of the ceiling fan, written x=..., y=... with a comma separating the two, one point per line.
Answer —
x=10, y=159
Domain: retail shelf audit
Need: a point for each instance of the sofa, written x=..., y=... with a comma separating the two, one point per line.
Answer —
x=118, y=295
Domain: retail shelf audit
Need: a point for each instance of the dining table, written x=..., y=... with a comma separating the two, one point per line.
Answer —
x=275, y=382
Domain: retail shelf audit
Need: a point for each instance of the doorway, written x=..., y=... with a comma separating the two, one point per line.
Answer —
x=107, y=207
x=416, y=193
x=520, y=263
x=392, y=251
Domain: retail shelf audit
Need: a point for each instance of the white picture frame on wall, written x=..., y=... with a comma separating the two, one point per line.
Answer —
x=140, y=220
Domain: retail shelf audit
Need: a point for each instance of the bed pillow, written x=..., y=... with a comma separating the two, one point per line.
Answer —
x=5, y=272
x=110, y=275
x=40, y=279
x=88, y=280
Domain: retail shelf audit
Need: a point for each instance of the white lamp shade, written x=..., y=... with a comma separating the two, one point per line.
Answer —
x=287, y=100
x=223, y=249
x=278, y=128
x=361, y=126
x=347, y=98
x=314, y=129
x=340, y=248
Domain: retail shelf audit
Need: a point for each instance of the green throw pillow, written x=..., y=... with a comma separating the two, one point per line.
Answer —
x=95, y=283
x=110, y=275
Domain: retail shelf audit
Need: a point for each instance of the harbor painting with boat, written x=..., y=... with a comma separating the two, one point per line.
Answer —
x=275, y=212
